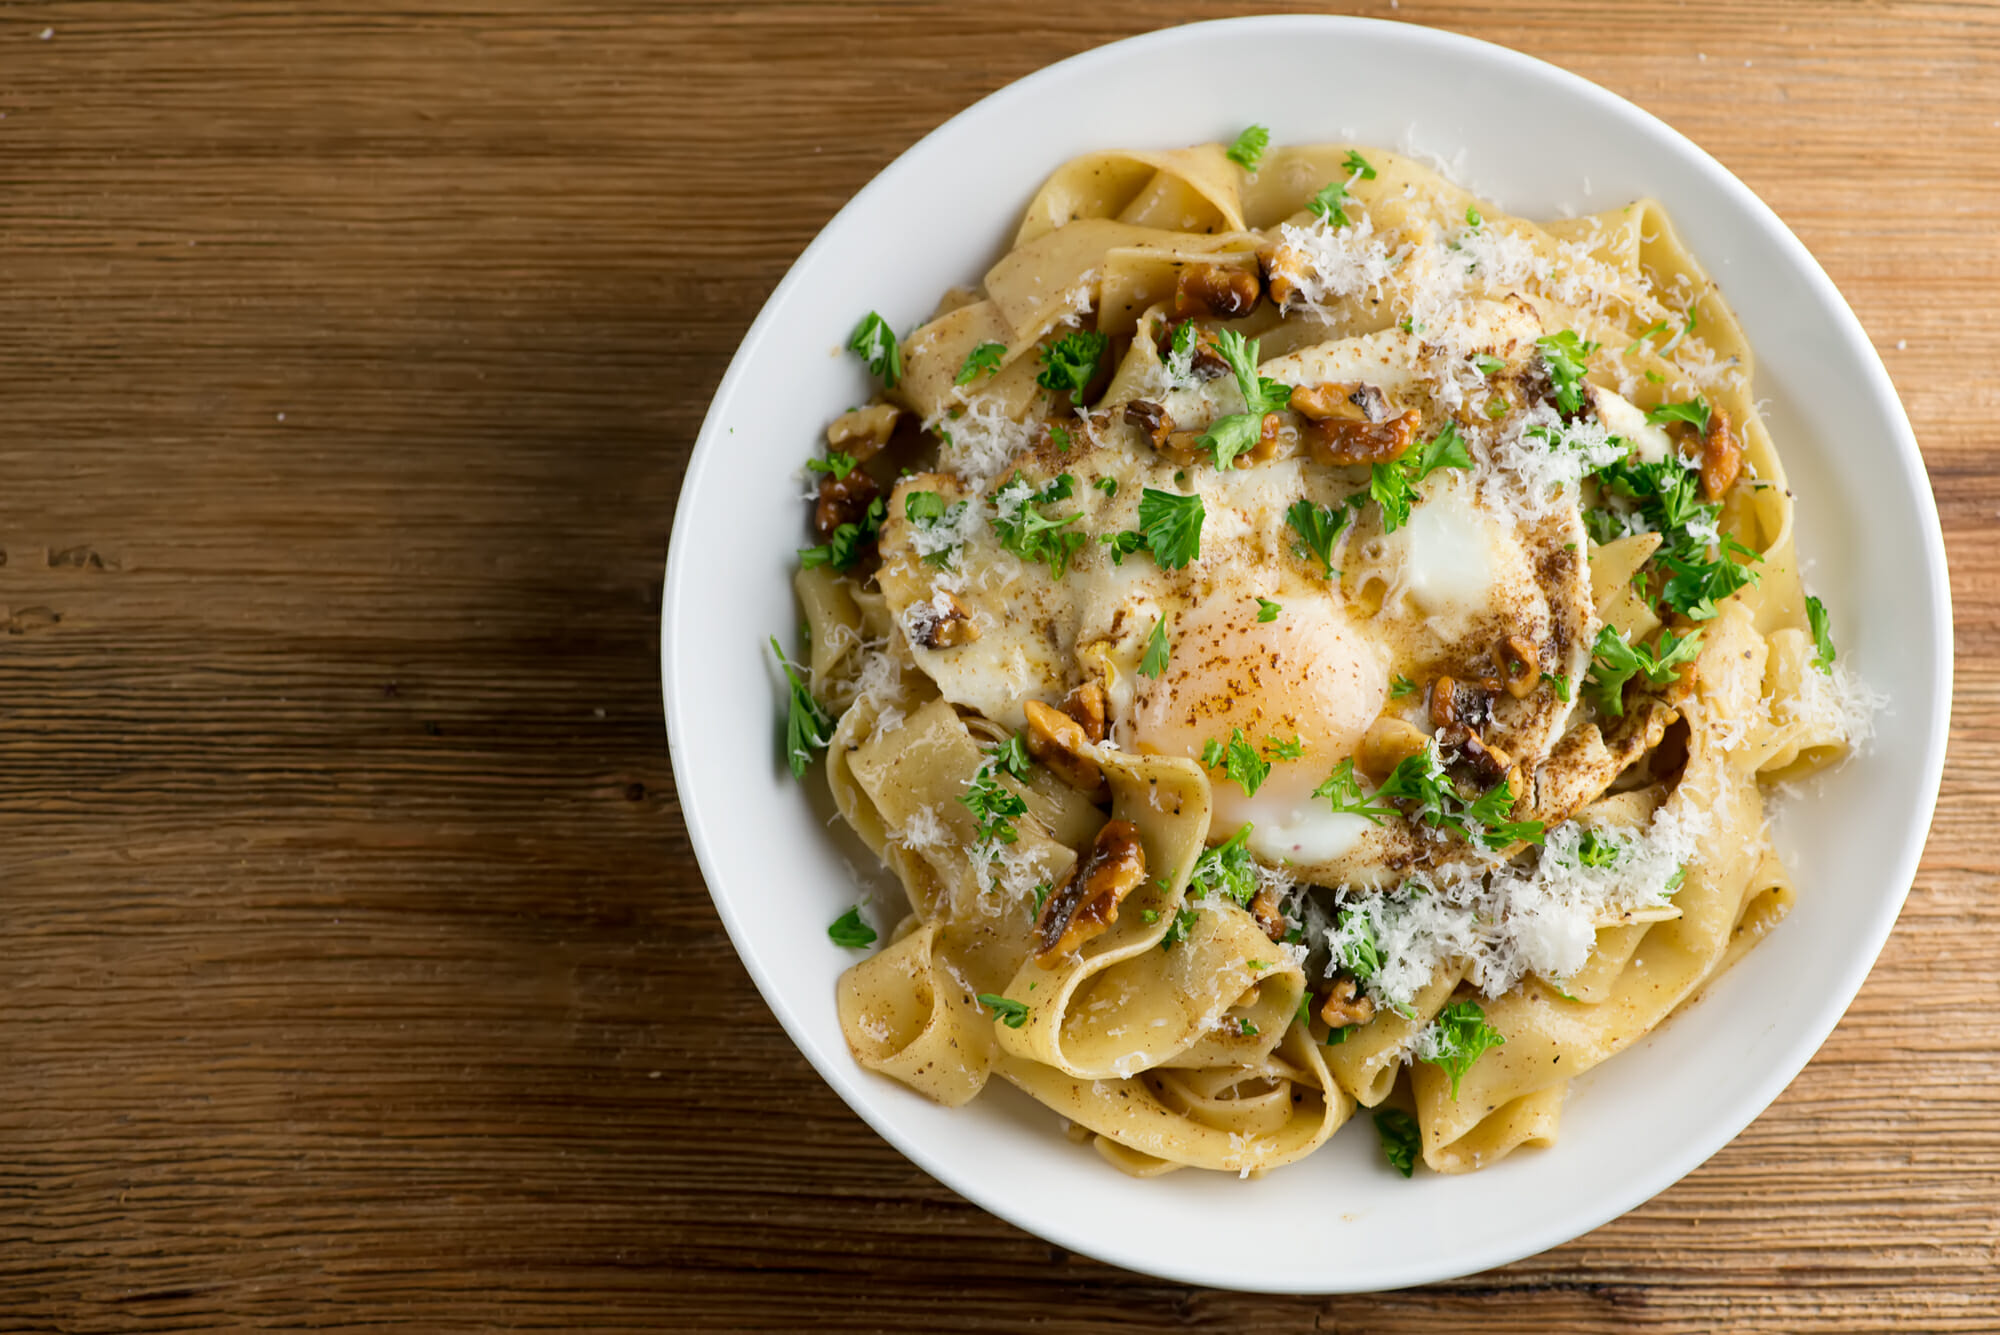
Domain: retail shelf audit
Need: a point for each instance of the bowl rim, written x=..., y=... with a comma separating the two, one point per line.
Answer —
x=1653, y=1175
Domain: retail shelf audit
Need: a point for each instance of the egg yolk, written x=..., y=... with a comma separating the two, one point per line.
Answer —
x=1305, y=675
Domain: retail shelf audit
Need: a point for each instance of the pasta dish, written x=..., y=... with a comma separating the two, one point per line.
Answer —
x=1303, y=639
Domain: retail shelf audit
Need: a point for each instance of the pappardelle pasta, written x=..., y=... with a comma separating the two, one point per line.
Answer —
x=1303, y=638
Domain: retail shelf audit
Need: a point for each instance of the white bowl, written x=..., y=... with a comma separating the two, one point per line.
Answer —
x=1536, y=140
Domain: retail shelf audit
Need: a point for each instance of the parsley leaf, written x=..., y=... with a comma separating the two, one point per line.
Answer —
x=926, y=509
x=808, y=727
x=1157, y=651
x=1567, y=356
x=1402, y=1140
x=1354, y=941
x=844, y=547
x=1400, y=686
x=1226, y=869
x=1491, y=811
x=1695, y=412
x=1011, y=1013
x=1488, y=365
x=1260, y=395
x=1697, y=584
x=1011, y=756
x=1243, y=1023
x=875, y=343
x=1420, y=782
x=1267, y=611
x=1343, y=791
x=1359, y=165
x=1178, y=929
x=1326, y=205
x=1644, y=343
x=1822, y=639
x=1034, y=536
x=1071, y=361
x=1107, y=485
x=1615, y=661
x=1393, y=485
x=1280, y=749
x=1227, y=437
x=982, y=360
x=1239, y=761
x=1457, y=1038
x=1594, y=850
x=1171, y=524
x=848, y=930
x=1317, y=526
x=1473, y=218
x=1248, y=150
x=1561, y=685
x=836, y=462
x=994, y=805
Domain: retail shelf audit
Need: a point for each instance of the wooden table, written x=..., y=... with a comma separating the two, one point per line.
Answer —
x=356, y=971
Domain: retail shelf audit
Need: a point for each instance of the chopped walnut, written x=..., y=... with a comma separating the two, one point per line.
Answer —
x=1224, y=291
x=1350, y=424
x=843, y=500
x=1285, y=269
x=1721, y=456
x=1264, y=908
x=1059, y=742
x=862, y=432
x=1086, y=705
x=1488, y=765
x=1345, y=1005
x=1520, y=666
x=1152, y=419
x=1183, y=447
x=1086, y=903
x=942, y=623
x=1387, y=744
x=1460, y=707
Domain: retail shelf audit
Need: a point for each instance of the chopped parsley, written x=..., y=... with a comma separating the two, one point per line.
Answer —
x=1456, y=1039
x=1393, y=485
x=1034, y=536
x=1358, y=166
x=1326, y=205
x=1488, y=364
x=1822, y=638
x=1278, y=748
x=1420, y=782
x=1318, y=526
x=1695, y=412
x=1267, y=611
x=1248, y=150
x=1243, y=1023
x=1400, y=686
x=1238, y=761
x=1059, y=437
x=1595, y=850
x=1012, y=756
x=1178, y=929
x=1071, y=361
x=1354, y=940
x=1157, y=651
x=1226, y=869
x=838, y=463
x=1402, y=1139
x=1568, y=358
x=982, y=360
x=1644, y=343
x=848, y=930
x=1667, y=495
x=1473, y=218
x=1107, y=485
x=1343, y=792
x=808, y=727
x=1237, y=433
x=875, y=343
x=927, y=509
x=1169, y=528
x=1615, y=661
x=992, y=803
x=1009, y=1012
x=845, y=545
x=1561, y=685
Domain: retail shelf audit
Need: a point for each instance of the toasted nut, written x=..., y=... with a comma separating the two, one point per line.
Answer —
x=1183, y=447
x=1444, y=703
x=1340, y=440
x=1086, y=705
x=1337, y=399
x=1152, y=419
x=1721, y=456
x=1487, y=765
x=1285, y=269
x=843, y=500
x=1520, y=666
x=1387, y=744
x=1345, y=1005
x=1087, y=900
x=862, y=432
x=1459, y=706
x=1059, y=741
x=1264, y=908
x=1220, y=290
x=942, y=623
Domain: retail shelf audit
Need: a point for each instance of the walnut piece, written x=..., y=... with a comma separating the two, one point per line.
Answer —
x=1086, y=903
x=1721, y=456
x=1345, y=1005
x=1350, y=424
x=1152, y=419
x=1059, y=742
x=1224, y=291
x=1086, y=704
x=942, y=623
x=1387, y=744
x=1264, y=908
x=862, y=432
x=843, y=500
x=1285, y=269
x=1520, y=666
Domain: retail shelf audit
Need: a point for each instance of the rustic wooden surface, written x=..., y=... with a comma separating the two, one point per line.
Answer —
x=354, y=970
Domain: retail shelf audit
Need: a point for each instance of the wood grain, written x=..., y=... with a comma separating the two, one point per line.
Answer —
x=356, y=971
